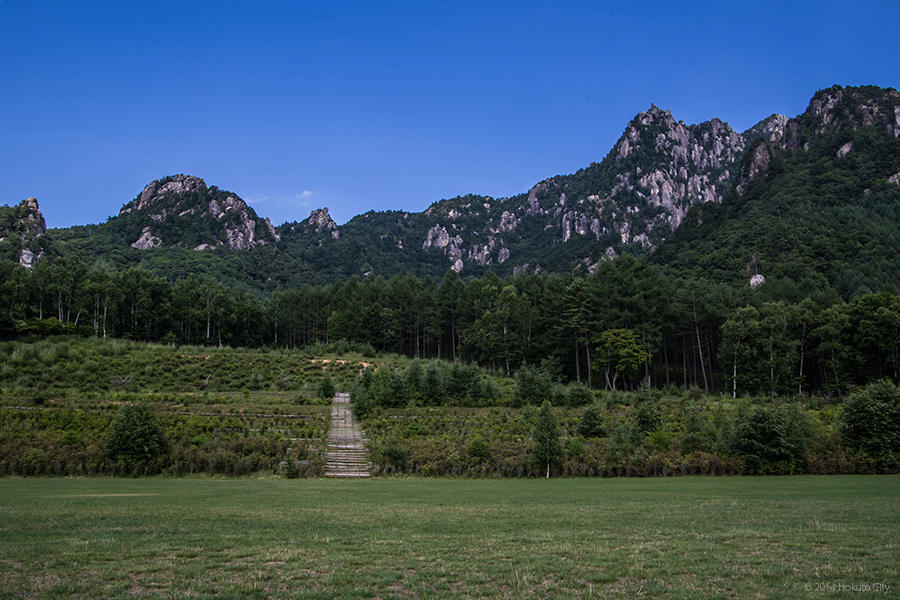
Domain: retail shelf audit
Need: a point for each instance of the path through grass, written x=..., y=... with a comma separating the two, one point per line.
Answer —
x=603, y=538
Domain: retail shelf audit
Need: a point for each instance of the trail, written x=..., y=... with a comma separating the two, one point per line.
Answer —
x=346, y=454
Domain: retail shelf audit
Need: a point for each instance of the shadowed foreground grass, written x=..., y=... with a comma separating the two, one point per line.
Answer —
x=785, y=537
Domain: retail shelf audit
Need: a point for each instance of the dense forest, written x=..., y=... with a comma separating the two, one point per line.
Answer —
x=629, y=323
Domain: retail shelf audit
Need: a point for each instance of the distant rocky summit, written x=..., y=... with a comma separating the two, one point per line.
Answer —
x=320, y=221
x=182, y=211
x=20, y=228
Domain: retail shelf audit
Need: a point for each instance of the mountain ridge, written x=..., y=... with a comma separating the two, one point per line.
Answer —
x=633, y=201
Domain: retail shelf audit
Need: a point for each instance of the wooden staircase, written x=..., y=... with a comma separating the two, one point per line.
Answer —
x=346, y=455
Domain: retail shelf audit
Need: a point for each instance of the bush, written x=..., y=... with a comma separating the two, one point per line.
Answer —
x=490, y=391
x=579, y=395
x=256, y=381
x=533, y=387
x=478, y=448
x=871, y=420
x=591, y=423
x=388, y=389
x=434, y=385
x=646, y=417
x=395, y=455
x=326, y=387
x=361, y=401
x=463, y=383
x=761, y=440
x=575, y=447
x=136, y=441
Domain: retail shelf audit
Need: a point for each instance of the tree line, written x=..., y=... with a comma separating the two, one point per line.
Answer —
x=629, y=324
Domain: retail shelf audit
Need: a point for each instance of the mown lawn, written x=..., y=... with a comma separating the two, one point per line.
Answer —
x=775, y=537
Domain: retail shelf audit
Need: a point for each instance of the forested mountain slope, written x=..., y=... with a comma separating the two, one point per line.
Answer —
x=808, y=199
x=817, y=202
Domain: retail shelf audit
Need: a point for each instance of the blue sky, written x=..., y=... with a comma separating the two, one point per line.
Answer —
x=388, y=105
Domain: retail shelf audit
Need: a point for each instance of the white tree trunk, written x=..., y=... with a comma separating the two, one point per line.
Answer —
x=734, y=378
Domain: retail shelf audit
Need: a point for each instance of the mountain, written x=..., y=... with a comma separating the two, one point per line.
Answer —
x=660, y=173
x=181, y=211
x=814, y=196
x=630, y=202
x=817, y=200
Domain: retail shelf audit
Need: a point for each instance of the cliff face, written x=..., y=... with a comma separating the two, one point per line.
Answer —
x=182, y=211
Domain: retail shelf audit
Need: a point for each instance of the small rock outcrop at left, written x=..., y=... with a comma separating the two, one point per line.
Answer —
x=20, y=227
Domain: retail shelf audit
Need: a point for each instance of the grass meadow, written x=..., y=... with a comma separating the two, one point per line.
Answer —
x=688, y=537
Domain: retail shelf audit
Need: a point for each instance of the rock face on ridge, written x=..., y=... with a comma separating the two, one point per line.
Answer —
x=20, y=228
x=631, y=201
x=640, y=193
x=320, y=221
x=831, y=111
x=182, y=211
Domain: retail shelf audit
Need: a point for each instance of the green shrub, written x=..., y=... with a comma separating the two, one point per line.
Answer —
x=479, y=448
x=871, y=420
x=389, y=389
x=533, y=387
x=575, y=447
x=256, y=381
x=434, y=385
x=579, y=395
x=395, y=454
x=361, y=401
x=136, y=441
x=761, y=440
x=490, y=391
x=591, y=424
x=326, y=387
x=646, y=417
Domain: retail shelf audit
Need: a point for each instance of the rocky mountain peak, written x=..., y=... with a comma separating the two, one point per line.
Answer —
x=654, y=113
x=838, y=108
x=320, y=221
x=159, y=189
x=834, y=109
x=181, y=210
x=32, y=220
x=20, y=225
x=667, y=165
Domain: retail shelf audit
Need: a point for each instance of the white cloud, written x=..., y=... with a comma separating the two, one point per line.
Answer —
x=302, y=199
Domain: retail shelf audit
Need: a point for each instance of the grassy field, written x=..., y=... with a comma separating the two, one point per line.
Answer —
x=785, y=537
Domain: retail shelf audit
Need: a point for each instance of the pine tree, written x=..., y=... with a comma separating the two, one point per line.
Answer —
x=326, y=387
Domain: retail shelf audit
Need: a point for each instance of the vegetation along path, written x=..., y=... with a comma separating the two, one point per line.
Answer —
x=346, y=455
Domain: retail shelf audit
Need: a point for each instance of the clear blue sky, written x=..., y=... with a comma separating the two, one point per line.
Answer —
x=388, y=105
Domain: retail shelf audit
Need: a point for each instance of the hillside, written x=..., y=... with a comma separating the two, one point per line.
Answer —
x=809, y=198
x=817, y=201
